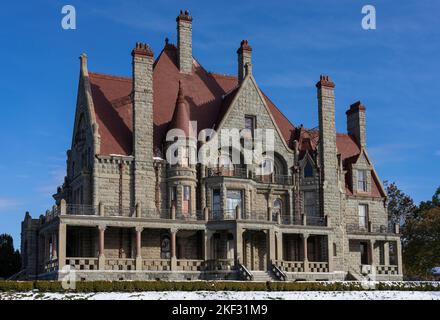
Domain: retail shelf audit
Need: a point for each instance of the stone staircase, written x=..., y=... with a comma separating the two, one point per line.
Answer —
x=263, y=276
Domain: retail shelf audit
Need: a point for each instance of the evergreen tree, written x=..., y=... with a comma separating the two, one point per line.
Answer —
x=10, y=260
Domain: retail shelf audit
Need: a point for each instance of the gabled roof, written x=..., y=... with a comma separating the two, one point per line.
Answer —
x=208, y=97
x=207, y=94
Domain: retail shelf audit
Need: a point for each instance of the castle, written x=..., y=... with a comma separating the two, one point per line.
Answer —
x=125, y=213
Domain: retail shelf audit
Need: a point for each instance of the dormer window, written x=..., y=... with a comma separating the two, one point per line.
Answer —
x=308, y=170
x=362, y=180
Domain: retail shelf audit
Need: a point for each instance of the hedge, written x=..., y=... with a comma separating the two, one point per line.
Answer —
x=138, y=286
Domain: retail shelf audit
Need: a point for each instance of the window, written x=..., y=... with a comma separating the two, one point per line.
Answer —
x=173, y=193
x=363, y=215
x=308, y=170
x=277, y=207
x=216, y=200
x=234, y=200
x=335, y=250
x=362, y=180
x=249, y=124
x=364, y=252
x=310, y=203
x=186, y=193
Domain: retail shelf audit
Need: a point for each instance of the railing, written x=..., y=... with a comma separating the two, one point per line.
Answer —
x=318, y=267
x=258, y=215
x=189, y=265
x=387, y=270
x=120, y=264
x=117, y=211
x=239, y=172
x=316, y=221
x=370, y=228
x=219, y=265
x=278, y=272
x=156, y=264
x=244, y=273
x=191, y=216
x=274, y=178
x=82, y=263
x=222, y=215
x=290, y=266
x=289, y=220
x=51, y=266
x=82, y=210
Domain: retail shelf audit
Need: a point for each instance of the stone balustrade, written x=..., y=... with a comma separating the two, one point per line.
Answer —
x=120, y=264
x=190, y=265
x=51, y=266
x=318, y=266
x=387, y=270
x=290, y=266
x=82, y=263
x=156, y=264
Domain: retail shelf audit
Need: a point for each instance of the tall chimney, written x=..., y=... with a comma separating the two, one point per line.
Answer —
x=244, y=54
x=329, y=186
x=184, y=42
x=356, y=123
x=143, y=125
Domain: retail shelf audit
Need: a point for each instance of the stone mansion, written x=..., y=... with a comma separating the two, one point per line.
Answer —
x=124, y=212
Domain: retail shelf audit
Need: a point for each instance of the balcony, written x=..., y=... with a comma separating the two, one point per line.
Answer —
x=372, y=228
x=304, y=220
x=244, y=173
x=237, y=172
x=274, y=179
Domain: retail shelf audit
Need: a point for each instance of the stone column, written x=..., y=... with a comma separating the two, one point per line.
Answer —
x=62, y=231
x=271, y=239
x=330, y=253
x=206, y=245
x=101, y=257
x=238, y=240
x=173, y=248
x=306, y=258
x=373, y=258
x=399, y=257
x=291, y=212
x=139, y=248
x=279, y=237
x=54, y=246
x=386, y=253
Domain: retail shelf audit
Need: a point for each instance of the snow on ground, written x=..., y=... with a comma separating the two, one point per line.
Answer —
x=228, y=295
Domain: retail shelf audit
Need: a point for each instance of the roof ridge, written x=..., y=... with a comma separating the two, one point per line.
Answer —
x=223, y=75
x=110, y=76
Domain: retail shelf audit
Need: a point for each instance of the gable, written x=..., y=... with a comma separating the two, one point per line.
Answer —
x=248, y=101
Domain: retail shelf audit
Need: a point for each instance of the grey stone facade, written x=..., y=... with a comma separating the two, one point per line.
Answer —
x=134, y=216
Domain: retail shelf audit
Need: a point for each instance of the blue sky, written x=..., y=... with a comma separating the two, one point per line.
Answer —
x=393, y=70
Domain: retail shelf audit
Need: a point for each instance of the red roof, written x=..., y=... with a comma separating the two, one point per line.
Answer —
x=207, y=98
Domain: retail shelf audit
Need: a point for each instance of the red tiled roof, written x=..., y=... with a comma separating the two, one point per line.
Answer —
x=208, y=97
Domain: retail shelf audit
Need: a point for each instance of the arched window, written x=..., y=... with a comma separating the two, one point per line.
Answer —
x=277, y=209
x=308, y=170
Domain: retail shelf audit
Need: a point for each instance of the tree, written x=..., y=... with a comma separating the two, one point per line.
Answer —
x=421, y=251
x=435, y=202
x=401, y=207
x=10, y=261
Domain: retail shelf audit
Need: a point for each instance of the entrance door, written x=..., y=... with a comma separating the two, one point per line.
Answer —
x=364, y=252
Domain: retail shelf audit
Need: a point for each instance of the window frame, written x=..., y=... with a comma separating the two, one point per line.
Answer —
x=362, y=180
x=365, y=215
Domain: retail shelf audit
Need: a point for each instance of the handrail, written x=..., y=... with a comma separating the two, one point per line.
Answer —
x=244, y=273
x=278, y=272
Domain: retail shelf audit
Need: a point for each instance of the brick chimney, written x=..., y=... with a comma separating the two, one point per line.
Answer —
x=143, y=124
x=356, y=122
x=244, y=60
x=184, y=42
